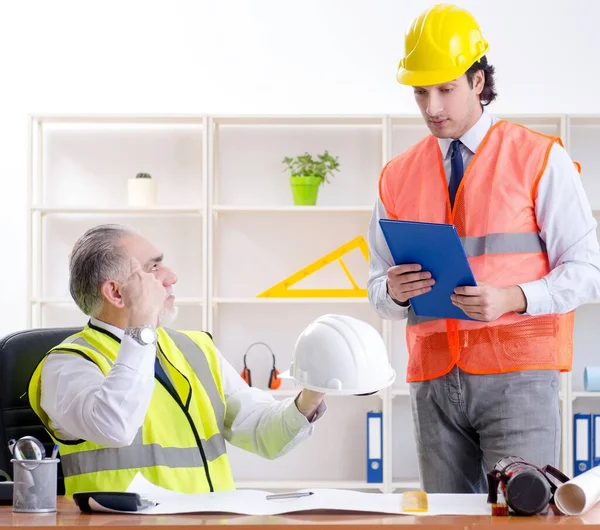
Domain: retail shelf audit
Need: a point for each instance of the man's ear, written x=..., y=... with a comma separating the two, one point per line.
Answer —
x=479, y=81
x=111, y=290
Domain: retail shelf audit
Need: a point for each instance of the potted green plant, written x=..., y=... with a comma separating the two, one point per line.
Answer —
x=142, y=190
x=308, y=173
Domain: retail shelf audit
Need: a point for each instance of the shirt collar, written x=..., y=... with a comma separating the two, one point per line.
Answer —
x=117, y=332
x=472, y=138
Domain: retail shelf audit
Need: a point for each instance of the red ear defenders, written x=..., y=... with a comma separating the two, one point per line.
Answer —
x=274, y=381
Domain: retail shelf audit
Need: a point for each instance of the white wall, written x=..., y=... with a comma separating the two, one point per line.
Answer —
x=252, y=56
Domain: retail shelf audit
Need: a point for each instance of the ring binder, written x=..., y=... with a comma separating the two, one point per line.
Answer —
x=374, y=447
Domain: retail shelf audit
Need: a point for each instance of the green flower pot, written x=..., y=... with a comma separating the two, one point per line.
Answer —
x=305, y=190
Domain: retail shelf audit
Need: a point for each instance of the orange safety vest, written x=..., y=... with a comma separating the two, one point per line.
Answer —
x=494, y=214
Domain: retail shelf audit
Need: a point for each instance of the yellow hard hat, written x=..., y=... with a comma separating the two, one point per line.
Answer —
x=441, y=44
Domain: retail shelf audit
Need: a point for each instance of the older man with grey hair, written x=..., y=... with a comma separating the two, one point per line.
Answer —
x=129, y=395
x=98, y=256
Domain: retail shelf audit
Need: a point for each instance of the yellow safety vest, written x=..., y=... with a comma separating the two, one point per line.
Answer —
x=180, y=445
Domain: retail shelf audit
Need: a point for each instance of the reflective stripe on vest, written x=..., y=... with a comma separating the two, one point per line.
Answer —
x=80, y=341
x=510, y=243
x=138, y=455
x=199, y=364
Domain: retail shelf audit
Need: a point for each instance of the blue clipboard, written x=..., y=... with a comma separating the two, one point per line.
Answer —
x=438, y=249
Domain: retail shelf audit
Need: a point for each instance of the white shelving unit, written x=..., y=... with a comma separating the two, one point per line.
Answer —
x=227, y=225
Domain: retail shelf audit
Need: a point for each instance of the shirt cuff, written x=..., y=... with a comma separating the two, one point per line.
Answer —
x=539, y=301
x=389, y=304
x=295, y=420
x=136, y=356
x=320, y=412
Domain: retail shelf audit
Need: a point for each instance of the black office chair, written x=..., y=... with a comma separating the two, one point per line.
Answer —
x=20, y=353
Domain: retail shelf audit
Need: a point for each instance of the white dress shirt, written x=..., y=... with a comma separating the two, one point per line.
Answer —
x=566, y=224
x=84, y=404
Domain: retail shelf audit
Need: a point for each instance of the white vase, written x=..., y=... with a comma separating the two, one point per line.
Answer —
x=142, y=192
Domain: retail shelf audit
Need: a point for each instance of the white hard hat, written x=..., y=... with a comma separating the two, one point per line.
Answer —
x=339, y=354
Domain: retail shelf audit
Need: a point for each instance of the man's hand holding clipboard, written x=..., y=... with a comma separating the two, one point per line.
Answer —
x=486, y=302
x=432, y=274
x=407, y=281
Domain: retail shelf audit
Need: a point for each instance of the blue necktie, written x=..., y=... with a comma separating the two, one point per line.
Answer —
x=457, y=170
x=161, y=375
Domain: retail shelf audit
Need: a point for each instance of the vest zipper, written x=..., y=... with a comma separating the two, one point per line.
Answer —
x=189, y=418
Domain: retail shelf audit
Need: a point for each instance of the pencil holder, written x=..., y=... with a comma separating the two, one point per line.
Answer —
x=34, y=489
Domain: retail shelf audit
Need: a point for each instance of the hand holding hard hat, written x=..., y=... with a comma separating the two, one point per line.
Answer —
x=340, y=355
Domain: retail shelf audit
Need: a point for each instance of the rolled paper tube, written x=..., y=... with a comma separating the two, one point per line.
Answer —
x=579, y=494
x=591, y=378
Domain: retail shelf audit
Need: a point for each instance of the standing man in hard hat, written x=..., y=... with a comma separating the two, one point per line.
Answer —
x=486, y=388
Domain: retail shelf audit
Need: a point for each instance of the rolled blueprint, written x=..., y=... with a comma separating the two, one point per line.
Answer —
x=579, y=494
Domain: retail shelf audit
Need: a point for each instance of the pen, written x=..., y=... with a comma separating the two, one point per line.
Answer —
x=289, y=495
x=55, y=451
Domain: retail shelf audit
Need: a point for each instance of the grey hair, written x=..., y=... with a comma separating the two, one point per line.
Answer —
x=96, y=257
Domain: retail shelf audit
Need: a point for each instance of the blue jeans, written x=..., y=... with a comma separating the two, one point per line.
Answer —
x=464, y=423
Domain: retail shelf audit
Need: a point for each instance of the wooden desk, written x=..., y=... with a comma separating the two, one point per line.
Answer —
x=68, y=516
